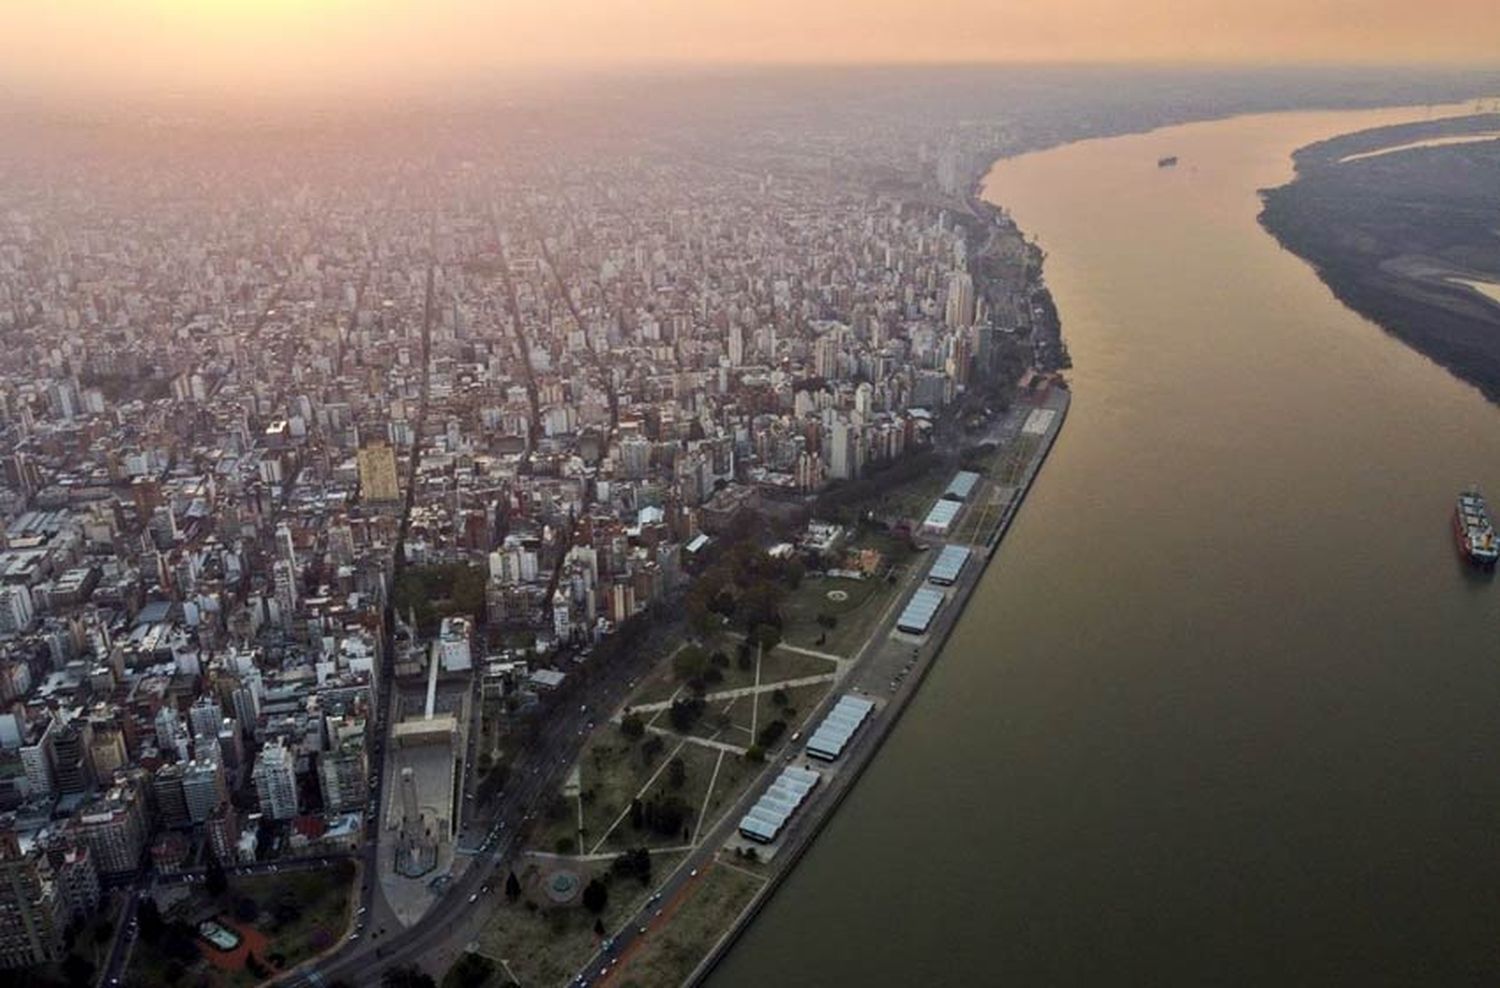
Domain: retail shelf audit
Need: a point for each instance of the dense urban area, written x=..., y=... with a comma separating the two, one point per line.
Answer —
x=426, y=542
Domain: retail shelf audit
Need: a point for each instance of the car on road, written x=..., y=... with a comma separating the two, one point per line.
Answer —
x=473, y=898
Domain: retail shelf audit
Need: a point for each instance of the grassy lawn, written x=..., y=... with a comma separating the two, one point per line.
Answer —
x=698, y=762
x=735, y=773
x=612, y=770
x=800, y=701
x=864, y=601
x=678, y=942
x=776, y=665
x=546, y=945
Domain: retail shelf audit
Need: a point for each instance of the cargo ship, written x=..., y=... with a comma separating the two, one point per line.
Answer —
x=1474, y=531
x=1168, y=162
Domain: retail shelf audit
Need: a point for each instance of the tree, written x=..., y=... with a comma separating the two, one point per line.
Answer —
x=104, y=931
x=407, y=976
x=768, y=635
x=246, y=909
x=256, y=966
x=78, y=970
x=595, y=896
x=635, y=863
x=771, y=733
x=470, y=971
x=512, y=887
x=676, y=772
x=632, y=726
x=685, y=713
x=152, y=925
x=216, y=882
x=690, y=662
x=598, y=927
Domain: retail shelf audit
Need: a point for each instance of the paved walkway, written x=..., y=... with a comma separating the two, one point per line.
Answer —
x=608, y=856
x=839, y=660
x=639, y=793
x=826, y=677
x=733, y=749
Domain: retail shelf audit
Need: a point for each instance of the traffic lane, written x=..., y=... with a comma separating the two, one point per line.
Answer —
x=560, y=738
x=414, y=941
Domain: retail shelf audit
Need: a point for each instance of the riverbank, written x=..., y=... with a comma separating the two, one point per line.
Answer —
x=1396, y=221
x=802, y=833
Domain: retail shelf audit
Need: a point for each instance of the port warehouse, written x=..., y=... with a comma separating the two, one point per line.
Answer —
x=917, y=616
x=942, y=513
x=940, y=518
x=949, y=563
x=961, y=486
x=834, y=733
x=778, y=803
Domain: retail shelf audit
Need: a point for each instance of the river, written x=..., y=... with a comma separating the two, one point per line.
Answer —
x=1226, y=706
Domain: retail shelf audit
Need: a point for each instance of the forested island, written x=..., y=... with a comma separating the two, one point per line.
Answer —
x=1402, y=223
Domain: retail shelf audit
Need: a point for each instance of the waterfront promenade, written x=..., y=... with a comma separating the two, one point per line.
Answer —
x=888, y=669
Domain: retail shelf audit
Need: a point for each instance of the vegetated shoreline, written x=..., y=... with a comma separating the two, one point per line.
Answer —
x=1395, y=236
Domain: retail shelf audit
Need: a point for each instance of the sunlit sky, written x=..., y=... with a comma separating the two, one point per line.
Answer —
x=322, y=46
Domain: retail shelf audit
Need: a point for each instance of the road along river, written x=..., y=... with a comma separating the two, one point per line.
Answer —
x=1226, y=707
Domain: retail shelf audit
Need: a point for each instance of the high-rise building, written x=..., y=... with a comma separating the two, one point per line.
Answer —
x=736, y=345
x=205, y=716
x=115, y=827
x=223, y=826
x=171, y=803
x=844, y=451
x=70, y=757
x=635, y=457
x=36, y=760
x=960, y=309
x=285, y=576
x=343, y=772
x=16, y=608
x=107, y=750
x=32, y=914
x=275, y=778
x=77, y=879
x=377, y=474
x=286, y=546
x=202, y=788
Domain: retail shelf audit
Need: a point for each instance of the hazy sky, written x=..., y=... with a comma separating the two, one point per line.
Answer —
x=323, y=46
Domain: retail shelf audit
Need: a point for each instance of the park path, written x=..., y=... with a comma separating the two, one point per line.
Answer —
x=826, y=677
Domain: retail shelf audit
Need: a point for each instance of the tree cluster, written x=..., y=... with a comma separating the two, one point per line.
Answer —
x=633, y=864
